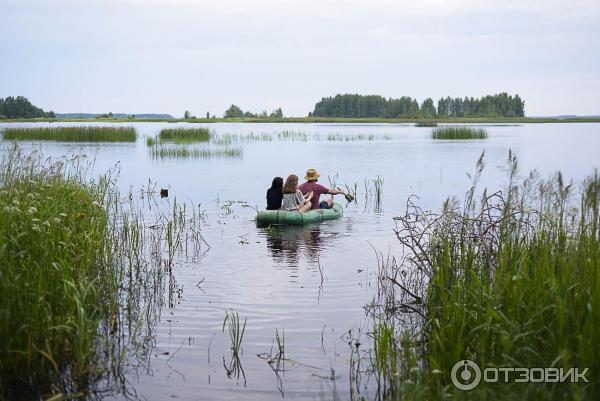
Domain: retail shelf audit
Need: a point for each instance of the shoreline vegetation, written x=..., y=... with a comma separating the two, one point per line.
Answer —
x=324, y=120
x=505, y=279
x=500, y=108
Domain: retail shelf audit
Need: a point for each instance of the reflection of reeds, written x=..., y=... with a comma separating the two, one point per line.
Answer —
x=458, y=133
x=72, y=134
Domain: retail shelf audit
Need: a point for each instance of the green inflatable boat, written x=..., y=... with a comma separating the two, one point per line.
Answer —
x=296, y=218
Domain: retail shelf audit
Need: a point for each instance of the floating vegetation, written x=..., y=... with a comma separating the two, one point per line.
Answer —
x=458, y=133
x=507, y=278
x=228, y=139
x=160, y=151
x=72, y=134
x=426, y=124
x=184, y=135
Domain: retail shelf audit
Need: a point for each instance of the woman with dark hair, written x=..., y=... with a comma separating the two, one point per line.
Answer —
x=274, y=194
x=293, y=198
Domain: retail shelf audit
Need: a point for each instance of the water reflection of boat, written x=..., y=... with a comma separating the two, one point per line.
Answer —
x=286, y=243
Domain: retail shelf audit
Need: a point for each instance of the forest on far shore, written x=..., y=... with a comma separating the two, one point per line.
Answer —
x=375, y=106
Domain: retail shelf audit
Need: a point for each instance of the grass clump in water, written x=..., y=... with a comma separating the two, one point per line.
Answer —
x=184, y=135
x=56, y=280
x=426, y=124
x=458, y=133
x=72, y=134
x=159, y=151
x=508, y=279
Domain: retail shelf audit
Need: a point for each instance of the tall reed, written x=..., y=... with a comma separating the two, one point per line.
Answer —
x=450, y=132
x=72, y=134
x=508, y=279
x=184, y=135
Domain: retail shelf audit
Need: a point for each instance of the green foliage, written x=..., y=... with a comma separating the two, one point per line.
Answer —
x=458, y=133
x=508, y=280
x=236, y=112
x=21, y=107
x=55, y=284
x=72, y=134
x=373, y=106
x=184, y=135
x=426, y=124
x=161, y=151
x=500, y=105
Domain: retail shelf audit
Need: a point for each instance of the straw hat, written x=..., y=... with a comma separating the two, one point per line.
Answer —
x=311, y=174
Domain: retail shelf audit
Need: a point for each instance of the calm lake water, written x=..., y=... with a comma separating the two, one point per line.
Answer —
x=310, y=283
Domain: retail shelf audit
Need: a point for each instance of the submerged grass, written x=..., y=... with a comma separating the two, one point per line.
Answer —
x=458, y=133
x=72, y=134
x=508, y=279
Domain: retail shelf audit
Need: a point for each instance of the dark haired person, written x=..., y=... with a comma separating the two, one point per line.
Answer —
x=275, y=194
x=293, y=198
x=311, y=185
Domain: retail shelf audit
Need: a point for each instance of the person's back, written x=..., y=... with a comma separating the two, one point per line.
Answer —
x=292, y=201
x=311, y=185
x=317, y=190
x=275, y=194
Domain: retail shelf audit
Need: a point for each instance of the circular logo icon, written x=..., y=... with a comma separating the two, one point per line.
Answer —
x=466, y=375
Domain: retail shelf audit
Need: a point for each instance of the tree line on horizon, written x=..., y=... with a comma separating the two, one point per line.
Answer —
x=375, y=106
x=21, y=107
x=236, y=112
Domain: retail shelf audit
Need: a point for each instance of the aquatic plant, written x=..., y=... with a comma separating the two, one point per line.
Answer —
x=507, y=279
x=184, y=135
x=426, y=124
x=72, y=134
x=236, y=336
x=451, y=132
x=159, y=151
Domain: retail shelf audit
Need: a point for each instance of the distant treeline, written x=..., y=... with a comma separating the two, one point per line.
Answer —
x=365, y=106
x=236, y=112
x=21, y=107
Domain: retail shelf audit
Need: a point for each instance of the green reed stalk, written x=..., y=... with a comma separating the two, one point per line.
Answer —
x=451, y=132
x=509, y=280
x=72, y=134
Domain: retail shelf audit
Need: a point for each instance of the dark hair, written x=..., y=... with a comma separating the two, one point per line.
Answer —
x=277, y=183
x=291, y=184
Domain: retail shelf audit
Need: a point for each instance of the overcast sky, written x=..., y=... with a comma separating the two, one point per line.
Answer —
x=138, y=56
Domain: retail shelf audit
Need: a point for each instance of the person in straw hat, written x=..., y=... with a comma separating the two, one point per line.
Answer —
x=311, y=184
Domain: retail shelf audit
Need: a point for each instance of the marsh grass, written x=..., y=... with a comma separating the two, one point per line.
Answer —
x=450, y=132
x=507, y=279
x=82, y=277
x=72, y=134
x=58, y=282
x=160, y=151
x=426, y=124
x=184, y=135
